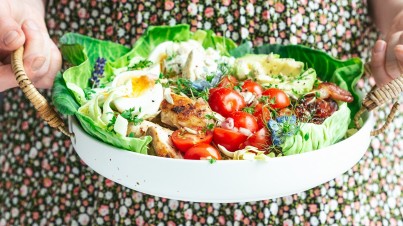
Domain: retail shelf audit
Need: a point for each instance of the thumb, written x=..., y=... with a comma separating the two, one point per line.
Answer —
x=378, y=63
x=11, y=35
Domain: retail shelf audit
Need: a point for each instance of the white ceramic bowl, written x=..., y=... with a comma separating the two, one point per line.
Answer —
x=222, y=181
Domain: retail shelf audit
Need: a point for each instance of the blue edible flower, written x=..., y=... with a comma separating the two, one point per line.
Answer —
x=282, y=127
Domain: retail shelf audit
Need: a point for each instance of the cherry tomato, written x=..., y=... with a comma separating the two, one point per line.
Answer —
x=231, y=140
x=252, y=87
x=228, y=82
x=281, y=99
x=225, y=101
x=260, y=139
x=211, y=91
x=184, y=140
x=202, y=151
x=262, y=114
x=244, y=120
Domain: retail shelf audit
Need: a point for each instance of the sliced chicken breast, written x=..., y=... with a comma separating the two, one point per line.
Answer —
x=185, y=112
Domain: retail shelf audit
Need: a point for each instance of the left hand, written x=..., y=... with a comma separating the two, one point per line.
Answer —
x=387, y=54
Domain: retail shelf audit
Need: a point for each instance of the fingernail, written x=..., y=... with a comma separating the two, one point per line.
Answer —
x=38, y=63
x=10, y=37
x=32, y=25
x=380, y=46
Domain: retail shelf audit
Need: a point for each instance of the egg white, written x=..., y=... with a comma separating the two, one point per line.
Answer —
x=141, y=93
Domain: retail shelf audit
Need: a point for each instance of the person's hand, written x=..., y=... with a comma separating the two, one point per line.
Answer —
x=387, y=54
x=22, y=23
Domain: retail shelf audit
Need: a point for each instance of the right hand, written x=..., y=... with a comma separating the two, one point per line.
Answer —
x=22, y=23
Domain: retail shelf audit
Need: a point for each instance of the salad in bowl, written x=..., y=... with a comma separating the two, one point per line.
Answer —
x=195, y=95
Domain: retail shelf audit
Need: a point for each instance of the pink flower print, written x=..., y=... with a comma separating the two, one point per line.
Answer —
x=266, y=15
x=202, y=220
x=171, y=223
x=246, y=221
x=140, y=221
x=221, y=220
x=169, y=5
x=28, y=172
x=323, y=19
x=109, y=30
x=250, y=9
x=51, y=23
x=103, y=210
x=109, y=183
x=192, y=9
x=141, y=7
x=279, y=7
x=226, y=2
x=238, y=215
x=188, y=214
x=260, y=215
x=82, y=13
x=220, y=20
x=160, y=215
x=304, y=2
x=23, y=190
x=35, y=215
x=150, y=203
x=153, y=18
x=313, y=208
x=209, y=12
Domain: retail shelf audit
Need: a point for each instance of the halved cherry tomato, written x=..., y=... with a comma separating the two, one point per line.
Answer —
x=202, y=151
x=211, y=91
x=225, y=101
x=184, y=140
x=260, y=139
x=231, y=140
x=228, y=81
x=281, y=99
x=244, y=120
x=262, y=114
x=252, y=87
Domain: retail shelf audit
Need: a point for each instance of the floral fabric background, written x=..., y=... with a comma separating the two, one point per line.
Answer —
x=43, y=181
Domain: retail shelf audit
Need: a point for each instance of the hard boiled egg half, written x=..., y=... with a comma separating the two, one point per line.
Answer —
x=141, y=93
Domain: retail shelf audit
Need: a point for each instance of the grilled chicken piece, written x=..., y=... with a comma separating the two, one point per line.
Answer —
x=185, y=112
x=162, y=144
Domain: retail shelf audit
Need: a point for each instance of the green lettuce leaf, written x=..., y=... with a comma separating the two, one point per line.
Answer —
x=312, y=137
x=65, y=103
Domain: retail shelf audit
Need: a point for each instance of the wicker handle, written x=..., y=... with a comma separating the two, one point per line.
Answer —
x=40, y=103
x=378, y=97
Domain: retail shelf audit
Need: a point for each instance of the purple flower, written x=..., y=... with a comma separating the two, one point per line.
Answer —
x=98, y=72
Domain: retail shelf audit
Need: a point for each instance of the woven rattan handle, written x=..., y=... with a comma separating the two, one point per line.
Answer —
x=40, y=103
x=378, y=97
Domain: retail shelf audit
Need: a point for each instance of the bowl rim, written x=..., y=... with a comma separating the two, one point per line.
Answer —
x=73, y=120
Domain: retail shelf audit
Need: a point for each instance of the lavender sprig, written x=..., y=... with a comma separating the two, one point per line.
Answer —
x=98, y=72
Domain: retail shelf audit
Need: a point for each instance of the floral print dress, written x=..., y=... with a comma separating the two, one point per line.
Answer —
x=43, y=181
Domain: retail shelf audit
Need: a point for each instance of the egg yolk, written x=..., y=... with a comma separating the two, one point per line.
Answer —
x=140, y=85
